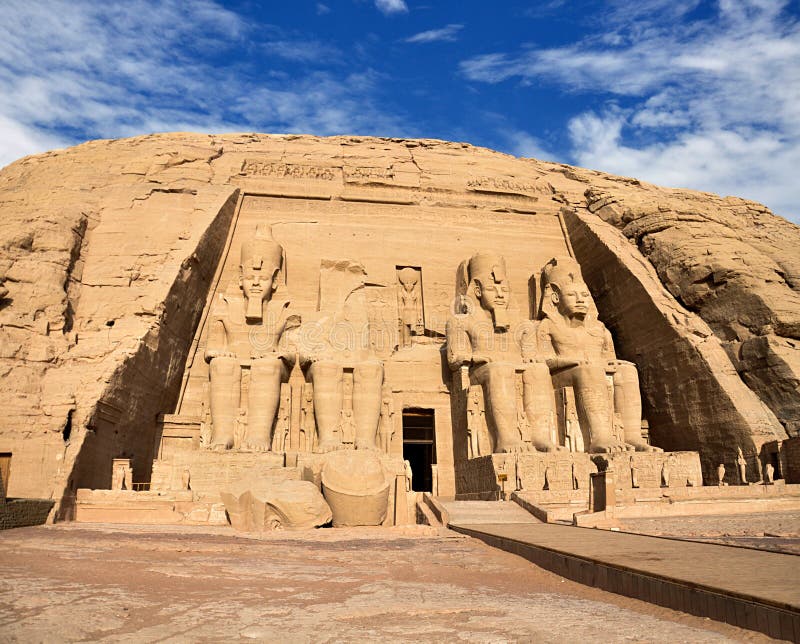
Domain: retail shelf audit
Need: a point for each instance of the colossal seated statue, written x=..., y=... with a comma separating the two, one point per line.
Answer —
x=484, y=340
x=246, y=329
x=338, y=360
x=579, y=352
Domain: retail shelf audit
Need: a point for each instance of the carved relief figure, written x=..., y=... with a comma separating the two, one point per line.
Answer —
x=118, y=479
x=769, y=474
x=721, y=474
x=283, y=425
x=247, y=327
x=579, y=353
x=409, y=305
x=666, y=472
x=337, y=341
x=482, y=340
x=387, y=420
x=634, y=474
x=741, y=463
x=307, y=424
x=473, y=424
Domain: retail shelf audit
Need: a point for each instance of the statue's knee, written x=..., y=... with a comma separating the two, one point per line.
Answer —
x=325, y=370
x=224, y=366
x=499, y=370
x=536, y=373
x=588, y=375
x=368, y=371
x=626, y=374
x=266, y=367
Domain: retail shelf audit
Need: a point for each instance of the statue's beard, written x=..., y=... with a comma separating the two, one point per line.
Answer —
x=500, y=318
x=254, y=311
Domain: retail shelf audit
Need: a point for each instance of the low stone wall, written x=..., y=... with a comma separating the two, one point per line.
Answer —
x=209, y=471
x=553, y=471
x=653, y=469
x=19, y=513
x=147, y=508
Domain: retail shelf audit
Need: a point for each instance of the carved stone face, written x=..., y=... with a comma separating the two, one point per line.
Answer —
x=573, y=301
x=257, y=282
x=408, y=278
x=493, y=291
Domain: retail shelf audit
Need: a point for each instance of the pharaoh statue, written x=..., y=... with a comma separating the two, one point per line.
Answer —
x=579, y=352
x=336, y=346
x=483, y=340
x=409, y=305
x=247, y=326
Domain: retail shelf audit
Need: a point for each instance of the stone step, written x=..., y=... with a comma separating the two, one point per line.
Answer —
x=486, y=512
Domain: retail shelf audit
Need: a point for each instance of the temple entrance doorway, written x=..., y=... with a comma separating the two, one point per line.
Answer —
x=419, y=446
x=5, y=473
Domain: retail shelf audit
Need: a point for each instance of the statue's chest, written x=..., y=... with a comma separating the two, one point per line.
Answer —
x=253, y=340
x=575, y=340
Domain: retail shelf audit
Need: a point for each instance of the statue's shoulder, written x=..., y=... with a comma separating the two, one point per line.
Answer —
x=221, y=306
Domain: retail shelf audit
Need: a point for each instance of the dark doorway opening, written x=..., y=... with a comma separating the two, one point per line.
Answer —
x=419, y=446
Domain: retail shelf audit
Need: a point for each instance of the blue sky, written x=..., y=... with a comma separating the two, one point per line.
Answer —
x=685, y=93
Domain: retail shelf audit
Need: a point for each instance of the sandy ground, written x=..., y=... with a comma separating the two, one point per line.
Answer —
x=420, y=584
x=776, y=531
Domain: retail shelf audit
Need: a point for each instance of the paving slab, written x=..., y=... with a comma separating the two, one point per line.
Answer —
x=680, y=574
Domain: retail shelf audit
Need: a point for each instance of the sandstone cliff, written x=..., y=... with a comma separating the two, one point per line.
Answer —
x=107, y=250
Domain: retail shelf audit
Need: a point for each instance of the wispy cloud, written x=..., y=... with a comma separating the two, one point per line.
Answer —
x=708, y=104
x=389, y=7
x=304, y=51
x=446, y=34
x=323, y=9
x=78, y=69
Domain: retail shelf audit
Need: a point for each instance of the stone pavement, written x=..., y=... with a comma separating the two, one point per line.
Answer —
x=749, y=588
x=177, y=584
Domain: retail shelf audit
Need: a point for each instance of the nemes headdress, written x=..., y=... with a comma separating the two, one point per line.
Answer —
x=487, y=264
x=261, y=251
x=560, y=272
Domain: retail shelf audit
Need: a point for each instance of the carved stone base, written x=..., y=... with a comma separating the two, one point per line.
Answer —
x=310, y=467
x=557, y=471
x=208, y=472
x=652, y=469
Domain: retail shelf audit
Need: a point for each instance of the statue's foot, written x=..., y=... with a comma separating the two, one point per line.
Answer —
x=547, y=446
x=641, y=446
x=512, y=448
x=329, y=446
x=367, y=445
x=256, y=447
x=222, y=445
x=607, y=447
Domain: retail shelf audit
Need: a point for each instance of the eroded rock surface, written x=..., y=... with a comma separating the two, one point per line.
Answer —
x=107, y=251
x=732, y=262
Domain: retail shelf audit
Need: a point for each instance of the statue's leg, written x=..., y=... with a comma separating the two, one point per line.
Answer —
x=628, y=404
x=405, y=335
x=226, y=392
x=263, y=400
x=594, y=407
x=539, y=400
x=367, y=383
x=500, y=393
x=326, y=377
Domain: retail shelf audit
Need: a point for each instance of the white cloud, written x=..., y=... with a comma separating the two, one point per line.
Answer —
x=19, y=140
x=322, y=9
x=445, y=34
x=83, y=69
x=391, y=6
x=712, y=105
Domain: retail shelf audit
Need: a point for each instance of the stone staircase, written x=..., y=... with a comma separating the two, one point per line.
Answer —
x=467, y=513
